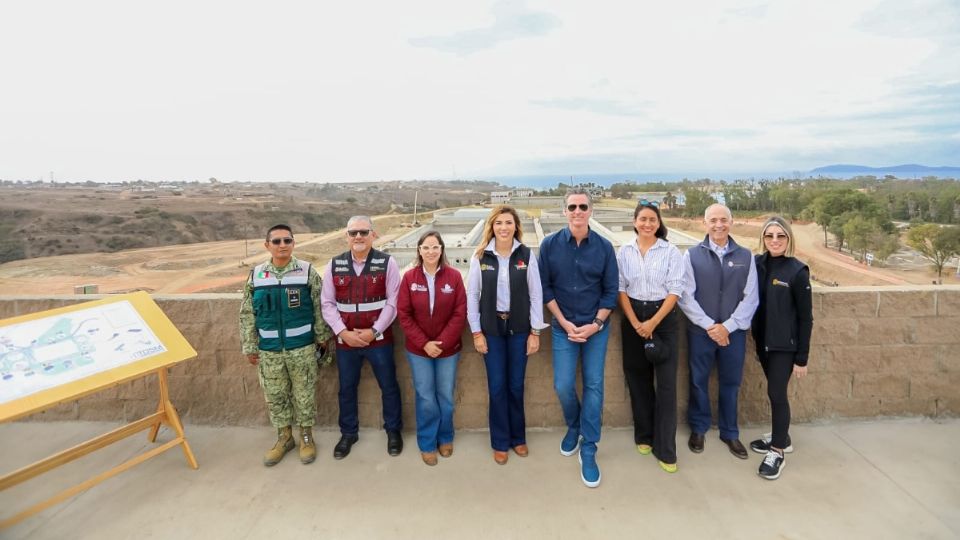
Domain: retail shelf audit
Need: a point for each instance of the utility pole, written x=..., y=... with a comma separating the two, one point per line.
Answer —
x=416, y=197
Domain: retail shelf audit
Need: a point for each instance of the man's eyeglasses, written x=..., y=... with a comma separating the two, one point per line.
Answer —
x=360, y=232
x=287, y=240
x=775, y=236
x=644, y=202
x=583, y=207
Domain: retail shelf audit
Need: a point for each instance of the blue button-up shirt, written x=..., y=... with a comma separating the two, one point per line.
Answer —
x=582, y=279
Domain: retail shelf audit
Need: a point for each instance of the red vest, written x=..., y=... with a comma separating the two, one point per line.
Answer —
x=360, y=299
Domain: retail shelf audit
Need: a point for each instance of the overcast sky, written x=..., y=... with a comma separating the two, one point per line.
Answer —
x=338, y=91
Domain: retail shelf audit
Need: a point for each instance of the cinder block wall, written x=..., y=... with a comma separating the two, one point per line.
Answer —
x=876, y=352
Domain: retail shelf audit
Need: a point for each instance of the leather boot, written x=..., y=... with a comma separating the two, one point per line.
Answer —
x=283, y=445
x=308, y=450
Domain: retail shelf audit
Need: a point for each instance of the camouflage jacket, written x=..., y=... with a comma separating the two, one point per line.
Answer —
x=249, y=339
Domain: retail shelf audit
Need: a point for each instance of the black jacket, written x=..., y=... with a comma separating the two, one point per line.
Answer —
x=784, y=319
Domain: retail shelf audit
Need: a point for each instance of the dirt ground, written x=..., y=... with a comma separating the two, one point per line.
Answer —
x=192, y=268
x=222, y=266
x=827, y=265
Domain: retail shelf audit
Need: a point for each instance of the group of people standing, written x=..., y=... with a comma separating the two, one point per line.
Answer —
x=289, y=321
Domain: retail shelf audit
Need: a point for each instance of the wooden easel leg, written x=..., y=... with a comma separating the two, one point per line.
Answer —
x=171, y=418
x=162, y=376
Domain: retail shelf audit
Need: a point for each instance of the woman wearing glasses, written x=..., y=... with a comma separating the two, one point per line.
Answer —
x=781, y=328
x=505, y=312
x=651, y=282
x=432, y=310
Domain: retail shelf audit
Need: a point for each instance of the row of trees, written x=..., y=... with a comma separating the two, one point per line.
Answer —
x=858, y=213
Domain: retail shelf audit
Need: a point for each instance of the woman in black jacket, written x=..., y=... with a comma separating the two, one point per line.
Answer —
x=781, y=329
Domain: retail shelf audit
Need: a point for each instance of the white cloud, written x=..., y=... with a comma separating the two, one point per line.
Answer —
x=307, y=91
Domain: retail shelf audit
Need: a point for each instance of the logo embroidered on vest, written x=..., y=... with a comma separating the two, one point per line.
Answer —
x=521, y=265
x=416, y=287
x=447, y=289
x=485, y=267
x=263, y=274
x=779, y=283
x=377, y=261
x=341, y=280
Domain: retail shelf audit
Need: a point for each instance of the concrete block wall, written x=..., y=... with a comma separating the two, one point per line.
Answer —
x=875, y=352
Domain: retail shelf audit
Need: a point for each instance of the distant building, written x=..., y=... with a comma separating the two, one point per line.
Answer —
x=523, y=192
x=499, y=197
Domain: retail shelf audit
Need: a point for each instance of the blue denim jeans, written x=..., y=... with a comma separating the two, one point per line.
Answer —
x=704, y=354
x=506, y=362
x=433, y=381
x=585, y=419
x=349, y=362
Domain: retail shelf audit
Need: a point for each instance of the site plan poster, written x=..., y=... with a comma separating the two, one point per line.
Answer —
x=52, y=351
x=63, y=354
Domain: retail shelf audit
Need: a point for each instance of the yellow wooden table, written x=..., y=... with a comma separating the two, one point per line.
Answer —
x=64, y=354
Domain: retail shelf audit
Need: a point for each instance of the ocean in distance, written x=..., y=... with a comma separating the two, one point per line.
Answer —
x=547, y=181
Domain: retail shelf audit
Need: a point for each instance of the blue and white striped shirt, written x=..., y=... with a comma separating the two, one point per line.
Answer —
x=651, y=277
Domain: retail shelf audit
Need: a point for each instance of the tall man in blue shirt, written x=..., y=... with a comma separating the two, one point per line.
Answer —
x=719, y=298
x=578, y=270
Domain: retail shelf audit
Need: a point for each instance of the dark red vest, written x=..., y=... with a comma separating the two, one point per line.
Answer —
x=360, y=299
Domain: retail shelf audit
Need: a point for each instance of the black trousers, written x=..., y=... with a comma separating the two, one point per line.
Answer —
x=778, y=367
x=653, y=389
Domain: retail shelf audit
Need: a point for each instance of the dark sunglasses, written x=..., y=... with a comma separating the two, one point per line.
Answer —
x=644, y=202
x=361, y=232
x=581, y=206
x=287, y=240
x=775, y=236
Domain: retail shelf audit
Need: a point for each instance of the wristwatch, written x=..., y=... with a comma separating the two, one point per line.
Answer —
x=376, y=333
x=534, y=332
x=599, y=322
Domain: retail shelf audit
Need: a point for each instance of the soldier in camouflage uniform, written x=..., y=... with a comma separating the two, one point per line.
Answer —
x=281, y=328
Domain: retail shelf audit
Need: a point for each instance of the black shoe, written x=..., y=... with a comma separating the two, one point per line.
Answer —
x=762, y=445
x=772, y=464
x=736, y=447
x=342, y=449
x=394, y=443
x=696, y=443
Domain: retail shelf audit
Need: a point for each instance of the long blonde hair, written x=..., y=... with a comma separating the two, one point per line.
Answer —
x=488, y=226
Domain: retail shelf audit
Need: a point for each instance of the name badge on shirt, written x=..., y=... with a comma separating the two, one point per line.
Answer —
x=293, y=298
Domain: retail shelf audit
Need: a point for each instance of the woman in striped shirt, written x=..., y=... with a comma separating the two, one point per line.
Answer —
x=651, y=282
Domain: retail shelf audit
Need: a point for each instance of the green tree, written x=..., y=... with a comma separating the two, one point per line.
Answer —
x=697, y=201
x=936, y=243
x=857, y=231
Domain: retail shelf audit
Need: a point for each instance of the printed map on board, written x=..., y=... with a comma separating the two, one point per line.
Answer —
x=51, y=351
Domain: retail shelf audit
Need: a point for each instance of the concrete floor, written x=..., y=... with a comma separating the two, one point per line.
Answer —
x=878, y=479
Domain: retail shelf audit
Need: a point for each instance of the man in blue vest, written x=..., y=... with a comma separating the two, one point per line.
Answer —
x=360, y=304
x=280, y=329
x=719, y=298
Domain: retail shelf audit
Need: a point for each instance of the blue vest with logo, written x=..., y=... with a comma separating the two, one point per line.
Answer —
x=283, y=308
x=720, y=282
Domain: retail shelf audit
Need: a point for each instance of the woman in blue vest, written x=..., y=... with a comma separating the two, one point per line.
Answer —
x=432, y=310
x=651, y=282
x=781, y=328
x=505, y=312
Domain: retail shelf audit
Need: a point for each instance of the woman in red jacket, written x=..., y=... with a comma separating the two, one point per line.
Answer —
x=432, y=308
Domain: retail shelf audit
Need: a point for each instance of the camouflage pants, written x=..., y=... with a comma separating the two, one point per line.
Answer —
x=288, y=379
